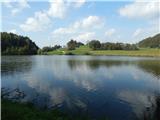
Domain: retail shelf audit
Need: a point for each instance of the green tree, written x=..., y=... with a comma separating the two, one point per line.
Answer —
x=94, y=44
x=13, y=44
x=71, y=45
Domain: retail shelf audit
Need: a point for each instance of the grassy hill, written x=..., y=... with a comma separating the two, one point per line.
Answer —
x=85, y=50
x=151, y=42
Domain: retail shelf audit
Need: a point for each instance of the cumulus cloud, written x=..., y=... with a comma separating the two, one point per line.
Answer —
x=64, y=31
x=57, y=9
x=139, y=9
x=85, y=36
x=87, y=23
x=16, y=6
x=91, y=21
x=81, y=30
x=39, y=22
x=42, y=19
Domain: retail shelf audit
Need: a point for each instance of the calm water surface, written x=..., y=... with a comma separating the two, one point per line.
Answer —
x=119, y=88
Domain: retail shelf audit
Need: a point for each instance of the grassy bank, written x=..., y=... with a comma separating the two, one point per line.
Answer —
x=18, y=111
x=84, y=50
x=26, y=111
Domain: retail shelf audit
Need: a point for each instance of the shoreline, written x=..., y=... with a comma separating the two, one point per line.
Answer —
x=136, y=53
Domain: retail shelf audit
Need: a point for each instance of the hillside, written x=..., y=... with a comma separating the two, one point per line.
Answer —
x=12, y=44
x=151, y=42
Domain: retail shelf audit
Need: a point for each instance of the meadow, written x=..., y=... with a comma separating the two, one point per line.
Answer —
x=85, y=50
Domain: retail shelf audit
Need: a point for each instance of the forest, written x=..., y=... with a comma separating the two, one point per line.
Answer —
x=12, y=44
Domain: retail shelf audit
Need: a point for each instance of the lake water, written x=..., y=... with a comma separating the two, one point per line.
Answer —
x=119, y=88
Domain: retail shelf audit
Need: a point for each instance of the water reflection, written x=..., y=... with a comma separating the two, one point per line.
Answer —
x=95, y=64
x=14, y=64
x=151, y=66
x=115, y=87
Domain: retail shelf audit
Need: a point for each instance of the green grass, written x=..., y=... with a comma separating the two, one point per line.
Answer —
x=82, y=50
x=26, y=111
x=141, y=52
x=85, y=50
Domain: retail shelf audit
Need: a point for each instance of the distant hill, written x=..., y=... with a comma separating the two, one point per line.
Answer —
x=12, y=44
x=151, y=42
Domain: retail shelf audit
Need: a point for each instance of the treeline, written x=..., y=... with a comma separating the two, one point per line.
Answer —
x=97, y=45
x=151, y=42
x=48, y=48
x=71, y=45
x=12, y=44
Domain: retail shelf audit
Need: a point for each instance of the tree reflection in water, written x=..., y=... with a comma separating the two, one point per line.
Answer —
x=152, y=112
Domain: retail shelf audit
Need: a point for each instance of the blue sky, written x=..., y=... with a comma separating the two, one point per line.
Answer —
x=57, y=21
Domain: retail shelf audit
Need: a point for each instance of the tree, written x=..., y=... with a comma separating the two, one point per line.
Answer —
x=94, y=44
x=71, y=45
x=13, y=44
x=78, y=44
x=49, y=48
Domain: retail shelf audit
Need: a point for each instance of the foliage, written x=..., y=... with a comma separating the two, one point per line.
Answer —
x=94, y=44
x=12, y=44
x=27, y=111
x=151, y=42
x=48, y=49
x=72, y=44
x=118, y=46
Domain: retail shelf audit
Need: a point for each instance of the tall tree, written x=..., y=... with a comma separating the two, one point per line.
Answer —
x=94, y=44
x=13, y=44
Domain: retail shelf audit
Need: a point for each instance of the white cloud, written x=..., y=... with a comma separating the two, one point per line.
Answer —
x=81, y=30
x=140, y=9
x=88, y=23
x=13, y=31
x=91, y=21
x=16, y=6
x=85, y=36
x=63, y=31
x=137, y=32
x=41, y=19
x=39, y=22
x=57, y=9
x=110, y=32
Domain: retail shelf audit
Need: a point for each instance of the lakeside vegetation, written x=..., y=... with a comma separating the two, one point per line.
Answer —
x=148, y=47
x=12, y=107
x=85, y=50
x=13, y=44
x=27, y=111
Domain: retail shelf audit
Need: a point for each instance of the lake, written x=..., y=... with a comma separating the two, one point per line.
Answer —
x=114, y=87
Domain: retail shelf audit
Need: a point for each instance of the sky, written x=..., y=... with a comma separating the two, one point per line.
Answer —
x=51, y=22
